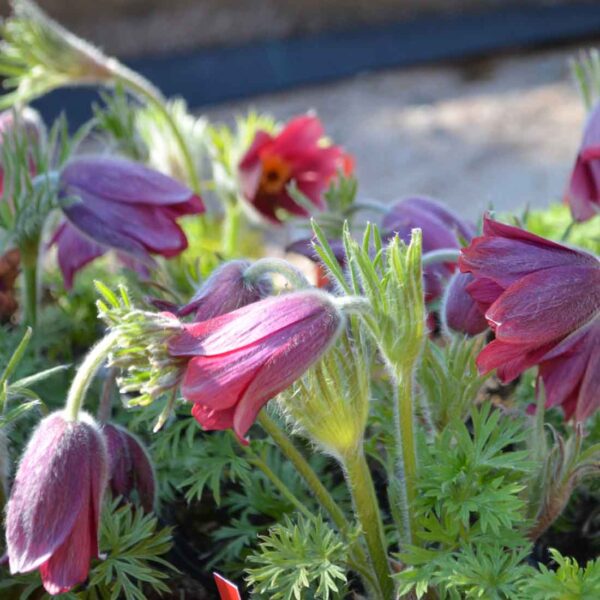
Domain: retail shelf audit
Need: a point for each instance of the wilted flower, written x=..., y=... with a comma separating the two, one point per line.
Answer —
x=226, y=289
x=542, y=300
x=240, y=360
x=441, y=229
x=120, y=204
x=297, y=154
x=583, y=193
x=130, y=470
x=54, y=508
x=460, y=312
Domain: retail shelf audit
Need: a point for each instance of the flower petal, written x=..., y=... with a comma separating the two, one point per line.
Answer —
x=546, y=305
x=123, y=181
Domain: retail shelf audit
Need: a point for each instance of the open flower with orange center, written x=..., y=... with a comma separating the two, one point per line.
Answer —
x=298, y=154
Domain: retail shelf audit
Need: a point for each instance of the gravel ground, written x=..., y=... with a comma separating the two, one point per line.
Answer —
x=499, y=133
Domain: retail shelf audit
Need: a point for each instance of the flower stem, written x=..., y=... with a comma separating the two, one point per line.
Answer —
x=86, y=372
x=357, y=556
x=231, y=229
x=29, y=260
x=144, y=89
x=441, y=256
x=272, y=266
x=366, y=508
x=406, y=456
x=301, y=464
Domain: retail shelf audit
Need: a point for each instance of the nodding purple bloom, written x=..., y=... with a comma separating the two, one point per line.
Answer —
x=542, y=300
x=441, y=229
x=460, y=312
x=240, y=360
x=116, y=203
x=224, y=291
x=583, y=193
x=54, y=508
x=130, y=470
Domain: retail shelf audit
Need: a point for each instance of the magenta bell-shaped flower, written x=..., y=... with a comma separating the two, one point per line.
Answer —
x=242, y=359
x=54, y=508
x=460, y=312
x=542, y=300
x=117, y=203
x=130, y=470
x=224, y=291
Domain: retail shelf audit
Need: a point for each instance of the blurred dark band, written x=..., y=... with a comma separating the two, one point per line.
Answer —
x=210, y=76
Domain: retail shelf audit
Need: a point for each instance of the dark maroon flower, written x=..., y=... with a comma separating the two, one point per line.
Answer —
x=224, y=291
x=583, y=193
x=460, y=312
x=54, y=507
x=240, y=360
x=297, y=154
x=441, y=229
x=120, y=204
x=542, y=300
x=130, y=470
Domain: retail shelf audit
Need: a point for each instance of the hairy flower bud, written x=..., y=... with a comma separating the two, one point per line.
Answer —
x=224, y=291
x=54, y=507
x=131, y=474
x=460, y=311
x=240, y=360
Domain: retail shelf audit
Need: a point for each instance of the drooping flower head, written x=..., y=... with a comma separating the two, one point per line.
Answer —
x=441, y=229
x=117, y=203
x=131, y=474
x=297, y=154
x=226, y=289
x=583, y=193
x=542, y=300
x=54, y=507
x=240, y=360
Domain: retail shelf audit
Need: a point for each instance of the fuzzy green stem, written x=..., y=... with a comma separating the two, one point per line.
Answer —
x=320, y=492
x=301, y=464
x=86, y=372
x=406, y=458
x=257, y=461
x=231, y=229
x=29, y=261
x=272, y=266
x=367, y=511
x=144, y=89
x=441, y=256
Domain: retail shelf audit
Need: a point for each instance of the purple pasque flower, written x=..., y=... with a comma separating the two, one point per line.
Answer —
x=131, y=473
x=441, y=229
x=226, y=290
x=542, y=300
x=120, y=204
x=240, y=360
x=53, y=512
x=460, y=312
x=583, y=192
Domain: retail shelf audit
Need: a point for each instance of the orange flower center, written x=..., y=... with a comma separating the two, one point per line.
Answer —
x=275, y=174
